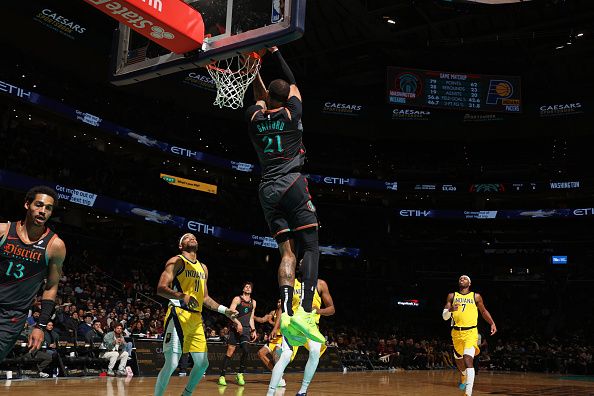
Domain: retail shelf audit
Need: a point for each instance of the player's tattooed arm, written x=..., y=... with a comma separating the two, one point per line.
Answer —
x=57, y=254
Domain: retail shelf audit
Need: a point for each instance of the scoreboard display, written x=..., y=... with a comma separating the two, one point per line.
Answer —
x=445, y=90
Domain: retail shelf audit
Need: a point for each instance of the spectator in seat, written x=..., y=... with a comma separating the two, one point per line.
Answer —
x=51, y=338
x=32, y=320
x=114, y=344
x=85, y=327
x=95, y=335
x=138, y=328
x=70, y=326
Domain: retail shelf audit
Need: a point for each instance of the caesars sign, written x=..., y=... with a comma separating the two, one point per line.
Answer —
x=342, y=108
x=59, y=23
x=561, y=109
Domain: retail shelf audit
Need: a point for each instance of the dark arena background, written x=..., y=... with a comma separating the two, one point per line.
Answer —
x=443, y=138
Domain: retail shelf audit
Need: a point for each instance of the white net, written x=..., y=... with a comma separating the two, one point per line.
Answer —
x=232, y=76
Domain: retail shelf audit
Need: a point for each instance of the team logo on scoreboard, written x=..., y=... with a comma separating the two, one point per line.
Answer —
x=487, y=187
x=409, y=85
x=500, y=92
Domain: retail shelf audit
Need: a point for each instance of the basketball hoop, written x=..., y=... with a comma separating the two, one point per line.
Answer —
x=232, y=76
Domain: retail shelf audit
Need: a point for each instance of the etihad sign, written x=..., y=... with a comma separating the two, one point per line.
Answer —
x=170, y=23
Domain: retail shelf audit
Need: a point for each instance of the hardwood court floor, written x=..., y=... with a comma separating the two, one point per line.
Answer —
x=413, y=383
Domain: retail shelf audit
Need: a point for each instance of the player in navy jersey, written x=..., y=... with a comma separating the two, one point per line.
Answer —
x=29, y=253
x=275, y=130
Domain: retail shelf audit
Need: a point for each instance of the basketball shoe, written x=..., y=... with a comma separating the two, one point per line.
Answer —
x=462, y=384
x=305, y=322
x=294, y=336
x=240, y=380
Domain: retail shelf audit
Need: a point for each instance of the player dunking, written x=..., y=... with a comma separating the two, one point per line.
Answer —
x=316, y=349
x=183, y=282
x=243, y=333
x=276, y=131
x=463, y=307
x=30, y=252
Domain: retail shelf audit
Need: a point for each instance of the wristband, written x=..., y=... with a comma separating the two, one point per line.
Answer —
x=222, y=309
x=446, y=314
x=47, y=307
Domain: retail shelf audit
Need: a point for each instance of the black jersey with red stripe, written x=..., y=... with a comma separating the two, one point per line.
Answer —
x=23, y=267
x=277, y=138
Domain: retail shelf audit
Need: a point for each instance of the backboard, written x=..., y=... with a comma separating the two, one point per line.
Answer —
x=231, y=27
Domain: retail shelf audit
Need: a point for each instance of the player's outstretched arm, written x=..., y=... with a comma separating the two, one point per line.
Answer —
x=234, y=303
x=328, y=309
x=293, y=91
x=260, y=92
x=57, y=254
x=212, y=304
x=484, y=313
x=264, y=319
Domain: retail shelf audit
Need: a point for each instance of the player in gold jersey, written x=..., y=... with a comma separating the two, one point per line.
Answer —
x=316, y=349
x=270, y=352
x=183, y=282
x=274, y=340
x=462, y=308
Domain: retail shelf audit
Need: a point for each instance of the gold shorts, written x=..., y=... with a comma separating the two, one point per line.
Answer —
x=275, y=343
x=184, y=331
x=465, y=339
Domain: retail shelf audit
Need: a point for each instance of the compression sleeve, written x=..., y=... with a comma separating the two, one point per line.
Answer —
x=285, y=67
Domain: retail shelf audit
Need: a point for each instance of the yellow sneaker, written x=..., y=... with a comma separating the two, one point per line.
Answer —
x=305, y=323
x=240, y=380
x=293, y=336
x=222, y=381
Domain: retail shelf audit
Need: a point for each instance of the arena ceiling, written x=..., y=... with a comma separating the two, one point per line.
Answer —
x=348, y=44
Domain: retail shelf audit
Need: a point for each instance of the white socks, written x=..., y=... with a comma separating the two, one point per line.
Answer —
x=469, y=381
